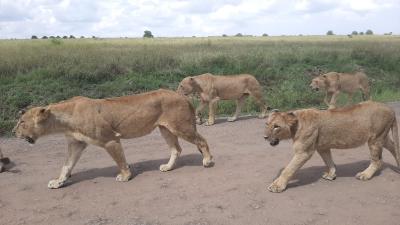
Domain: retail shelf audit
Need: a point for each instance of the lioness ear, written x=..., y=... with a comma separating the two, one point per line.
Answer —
x=43, y=114
x=21, y=112
x=291, y=119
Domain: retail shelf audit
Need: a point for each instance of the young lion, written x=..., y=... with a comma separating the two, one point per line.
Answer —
x=213, y=88
x=104, y=122
x=321, y=130
x=334, y=83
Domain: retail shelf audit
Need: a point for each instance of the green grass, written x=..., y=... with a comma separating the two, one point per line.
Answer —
x=39, y=72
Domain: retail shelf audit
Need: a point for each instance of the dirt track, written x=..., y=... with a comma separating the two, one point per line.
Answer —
x=234, y=191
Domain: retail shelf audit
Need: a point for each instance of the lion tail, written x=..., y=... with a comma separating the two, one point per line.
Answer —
x=395, y=135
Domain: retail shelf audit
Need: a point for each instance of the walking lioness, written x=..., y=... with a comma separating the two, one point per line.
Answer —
x=213, y=88
x=333, y=83
x=104, y=122
x=321, y=130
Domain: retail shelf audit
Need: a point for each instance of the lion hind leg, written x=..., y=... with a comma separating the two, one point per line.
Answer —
x=202, y=146
x=174, y=146
x=326, y=156
x=375, y=148
x=114, y=149
x=258, y=97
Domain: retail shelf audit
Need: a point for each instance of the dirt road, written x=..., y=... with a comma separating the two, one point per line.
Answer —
x=234, y=191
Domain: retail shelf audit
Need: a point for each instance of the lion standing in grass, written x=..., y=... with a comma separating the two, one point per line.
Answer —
x=213, y=88
x=319, y=131
x=104, y=122
x=333, y=83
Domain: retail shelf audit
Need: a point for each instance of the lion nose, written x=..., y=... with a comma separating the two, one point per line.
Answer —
x=266, y=137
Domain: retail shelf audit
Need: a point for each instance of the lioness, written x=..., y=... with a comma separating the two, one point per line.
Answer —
x=104, y=122
x=213, y=88
x=321, y=130
x=334, y=83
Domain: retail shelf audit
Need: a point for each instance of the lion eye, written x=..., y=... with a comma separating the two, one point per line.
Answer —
x=276, y=126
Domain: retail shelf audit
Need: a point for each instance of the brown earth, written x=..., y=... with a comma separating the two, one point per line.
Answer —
x=234, y=191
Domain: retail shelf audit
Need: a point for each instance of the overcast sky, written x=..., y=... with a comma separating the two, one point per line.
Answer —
x=118, y=18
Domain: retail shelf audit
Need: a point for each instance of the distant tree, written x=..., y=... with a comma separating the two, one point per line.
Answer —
x=65, y=37
x=58, y=36
x=350, y=36
x=390, y=33
x=44, y=37
x=71, y=36
x=330, y=32
x=354, y=33
x=147, y=34
x=224, y=35
x=369, y=32
x=239, y=35
x=82, y=36
x=361, y=33
x=34, y=37
x=93, y=36
x=265, y=35
x=52, y=37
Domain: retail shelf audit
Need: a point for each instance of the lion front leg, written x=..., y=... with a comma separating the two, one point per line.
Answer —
x=332, y=103
x=114, y=149
x=199, y=110
x=75, y=149
x=297, y=161
x=211, y=112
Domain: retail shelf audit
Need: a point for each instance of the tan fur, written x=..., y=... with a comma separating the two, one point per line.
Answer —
x=321, y=130
x=213, y=88
x=334, y=83
x=103, y=122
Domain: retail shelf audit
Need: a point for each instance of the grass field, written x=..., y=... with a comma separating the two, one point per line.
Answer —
x=38, y=72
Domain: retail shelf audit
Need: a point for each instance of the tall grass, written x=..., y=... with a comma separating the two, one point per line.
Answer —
x=38, y=72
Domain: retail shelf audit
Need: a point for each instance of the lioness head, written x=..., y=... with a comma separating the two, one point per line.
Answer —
x=187, y=86
x=318, y=83
x=32, y=124
x=279, y=126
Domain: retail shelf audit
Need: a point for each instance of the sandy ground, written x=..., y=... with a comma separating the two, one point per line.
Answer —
x=234, y=191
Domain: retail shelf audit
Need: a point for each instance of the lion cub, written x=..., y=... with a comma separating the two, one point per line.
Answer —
x=333, y=83
x=213, y=88
x=319, y=131
x=104, y=122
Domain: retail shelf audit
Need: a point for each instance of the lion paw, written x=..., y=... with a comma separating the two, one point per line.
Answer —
x=328, y=176
x=123, y=177
x=165, y=167
x=362, y=176
x=231, y=119
x=208, y=162
x=54, y=184
x=275, y=188
x=208, y=123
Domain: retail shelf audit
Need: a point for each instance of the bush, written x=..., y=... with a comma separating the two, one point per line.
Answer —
x=34, y=37
x=329, y=32
x=369, y=32
x=354, y=33
x=239, y=35
x=147, y=34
